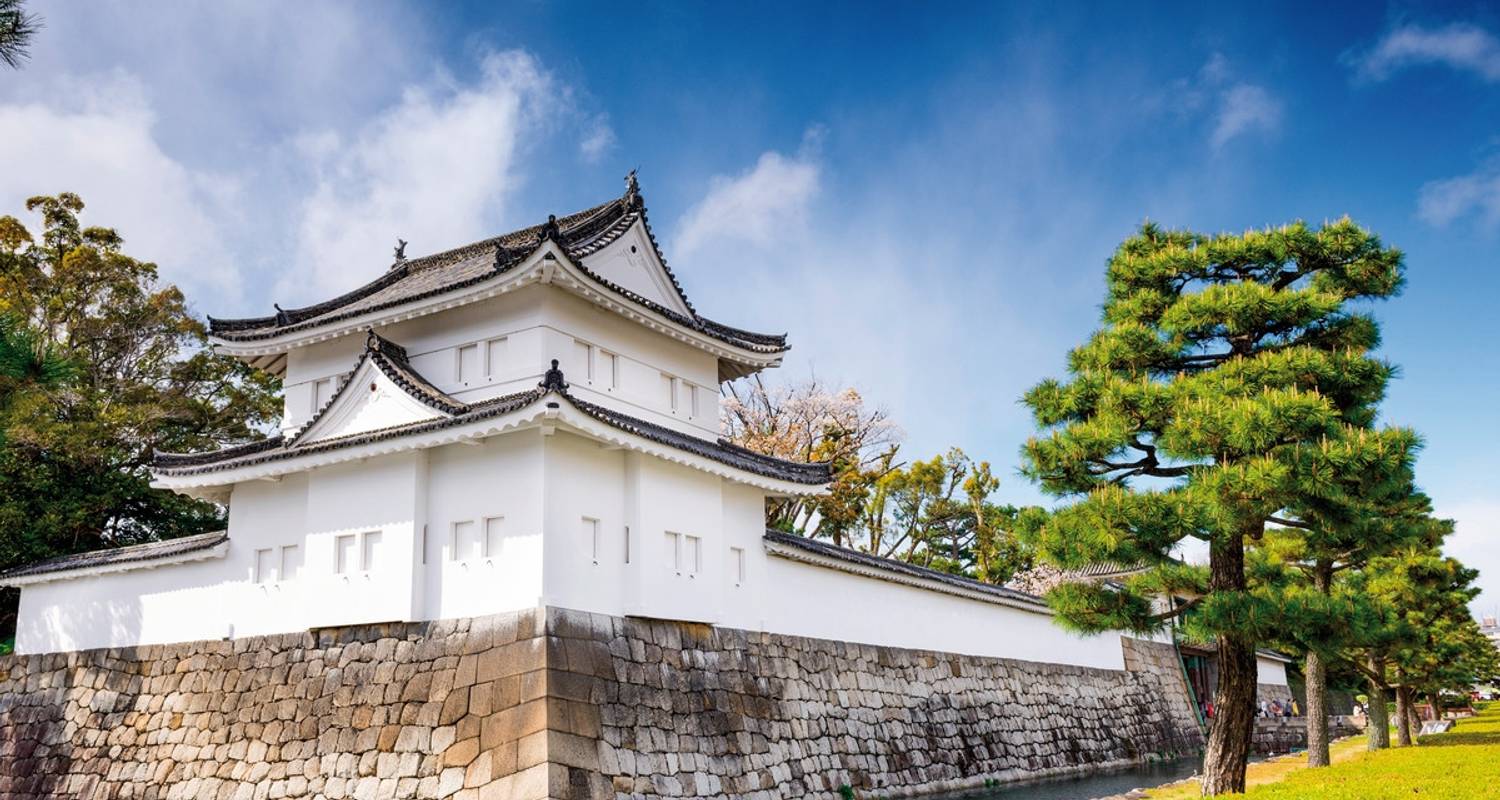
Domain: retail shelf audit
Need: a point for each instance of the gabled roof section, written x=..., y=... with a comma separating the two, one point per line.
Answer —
x=579, y=235
x=553, y=385
x=117, y=559
x=381, y=391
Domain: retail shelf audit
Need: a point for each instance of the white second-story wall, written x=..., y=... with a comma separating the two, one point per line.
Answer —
x=504, y=345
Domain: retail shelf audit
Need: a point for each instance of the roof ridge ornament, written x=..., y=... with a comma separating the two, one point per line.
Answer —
x=282, y=318
x=553, y=380
x=550, y=230
x=400, y=253
x=632, y=190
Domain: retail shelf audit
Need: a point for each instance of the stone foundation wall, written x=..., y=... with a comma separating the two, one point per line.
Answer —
x=694, y=711
x=1285, y=734
x=562, y=704
x=424, y=710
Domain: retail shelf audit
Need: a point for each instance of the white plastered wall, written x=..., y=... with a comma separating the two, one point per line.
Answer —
x=1270, y=671
x=511, y=339
x=545, y=491
x=483, y=551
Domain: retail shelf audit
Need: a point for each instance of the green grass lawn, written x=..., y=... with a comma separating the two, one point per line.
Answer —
x=1464, y=763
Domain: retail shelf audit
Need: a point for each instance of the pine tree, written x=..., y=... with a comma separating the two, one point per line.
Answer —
x=1190, y=414
x=1422, y=637
x=1369, y=510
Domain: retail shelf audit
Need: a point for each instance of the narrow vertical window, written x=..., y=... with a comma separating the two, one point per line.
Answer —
x=591, y=538
x=369, y=552
x=492, y=534
x=291, y=562
x=468, y=363
x=263, y=568
x=674, y=552
x=693, y=393
x=461, y=548
x=737, y=564
x=669, y=387
x=583, y=360
x=494, y=357
x=424, y=544
x=627, y=544
x=609, y=369
x=322, y=392
x=343, y=554
x=692, y=558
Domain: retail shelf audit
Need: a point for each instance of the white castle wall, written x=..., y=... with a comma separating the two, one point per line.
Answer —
x=607, y=359
x=523, y=510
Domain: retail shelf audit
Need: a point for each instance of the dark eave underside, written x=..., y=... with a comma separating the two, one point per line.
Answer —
x=278, y=448
x=822, y=548
x=149, y=551
x=580, y=235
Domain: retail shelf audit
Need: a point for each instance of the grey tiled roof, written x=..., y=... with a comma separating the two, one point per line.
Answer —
x=823, y=548
x=279, y=448
x=150, y=551
x=580, y=235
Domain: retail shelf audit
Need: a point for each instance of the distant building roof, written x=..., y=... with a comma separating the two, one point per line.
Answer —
x=113, y=559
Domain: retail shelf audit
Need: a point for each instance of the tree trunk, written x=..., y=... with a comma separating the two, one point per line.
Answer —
x=1403, y=715
x=1378, y=725
x=1317, y=687
x=1414, y=717
x=1317, y=709
x=1234, y=700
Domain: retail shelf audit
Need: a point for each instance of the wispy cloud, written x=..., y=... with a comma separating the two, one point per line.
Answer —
x=598, y=139
x=755, y=206
x=1443, y=202
x=1245, y=108
x=1460, y=46
x=1235, y=107
x=432, y=169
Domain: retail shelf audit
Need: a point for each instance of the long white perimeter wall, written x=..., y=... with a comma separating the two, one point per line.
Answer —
x=519, y=521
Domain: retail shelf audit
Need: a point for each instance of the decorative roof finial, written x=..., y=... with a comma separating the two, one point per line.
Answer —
x=372, y=340
x=550, y=230
x=282, y=318
x=400, y=249
x=632, y=189
x=553, y=380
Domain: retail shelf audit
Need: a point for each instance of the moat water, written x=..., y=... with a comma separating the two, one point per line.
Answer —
x=1088, y=787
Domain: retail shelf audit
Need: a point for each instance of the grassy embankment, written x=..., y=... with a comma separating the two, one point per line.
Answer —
x=1461, y=764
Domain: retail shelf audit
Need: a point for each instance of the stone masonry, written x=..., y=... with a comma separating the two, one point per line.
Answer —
x=552, y=703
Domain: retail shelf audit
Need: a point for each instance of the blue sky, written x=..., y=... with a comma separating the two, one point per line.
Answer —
x=922, y=196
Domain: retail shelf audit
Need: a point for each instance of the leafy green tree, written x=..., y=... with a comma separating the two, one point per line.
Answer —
x=1223, y=360
x=139, y=377
x=1423, y=637
x=16, y=30
x=1369, y=509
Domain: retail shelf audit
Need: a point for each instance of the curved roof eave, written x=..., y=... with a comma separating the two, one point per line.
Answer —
x=539, y=266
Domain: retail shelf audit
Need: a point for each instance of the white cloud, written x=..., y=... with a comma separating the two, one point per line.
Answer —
x=1245, y=108
x=1460, y=46
x=754, y=207
x=1441, y=202
x=101, y=143
x=432, y=169
x=598, y=139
